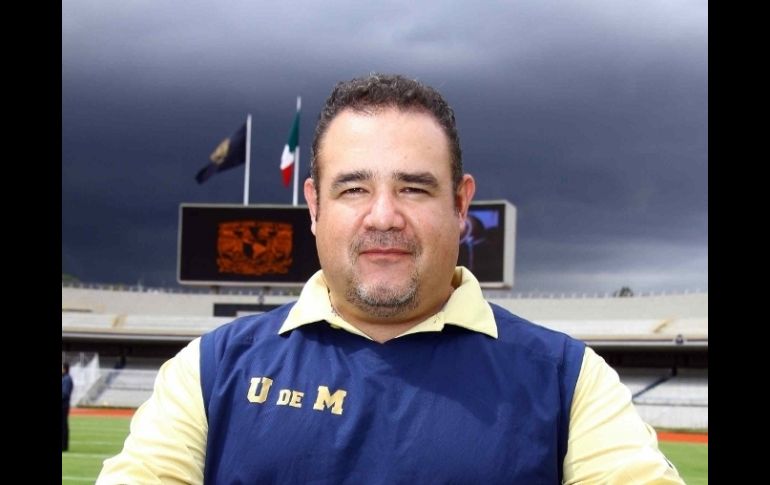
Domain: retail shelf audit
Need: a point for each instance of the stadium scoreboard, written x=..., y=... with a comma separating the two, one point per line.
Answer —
x=272, y=245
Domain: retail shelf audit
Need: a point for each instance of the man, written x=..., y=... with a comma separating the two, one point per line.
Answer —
x=391, y=367
x=66, y=394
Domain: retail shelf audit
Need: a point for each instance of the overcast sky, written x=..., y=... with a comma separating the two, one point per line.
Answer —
x=589, y=116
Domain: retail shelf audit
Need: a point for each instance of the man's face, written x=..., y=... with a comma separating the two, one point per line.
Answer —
x=387, y=220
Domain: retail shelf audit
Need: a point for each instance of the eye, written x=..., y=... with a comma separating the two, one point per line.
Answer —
x=414, y=190
x=353, y=191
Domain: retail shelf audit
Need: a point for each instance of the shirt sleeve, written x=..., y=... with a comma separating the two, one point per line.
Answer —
x=608, y=441
x=167, y=439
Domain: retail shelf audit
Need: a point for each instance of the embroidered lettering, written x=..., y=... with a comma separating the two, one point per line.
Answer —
x=266, y=382
x=296, y=399
x=290, y=397
x=283, y=397
x=326, y=400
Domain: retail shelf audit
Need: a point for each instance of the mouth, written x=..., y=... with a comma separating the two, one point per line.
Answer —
x=385, y=251
x=385, y=248
x=385, y=255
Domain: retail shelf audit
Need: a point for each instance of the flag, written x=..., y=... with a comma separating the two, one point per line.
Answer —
x=230, y=153
x=289, y=156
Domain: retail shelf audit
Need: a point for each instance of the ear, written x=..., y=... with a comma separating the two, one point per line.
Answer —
x=463, y=197
x=311, y=196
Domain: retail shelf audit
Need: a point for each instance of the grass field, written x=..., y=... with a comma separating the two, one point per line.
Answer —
x=94, y=438
x=691, y=459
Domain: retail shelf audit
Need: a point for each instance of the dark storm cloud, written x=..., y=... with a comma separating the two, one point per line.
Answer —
x=591, y=117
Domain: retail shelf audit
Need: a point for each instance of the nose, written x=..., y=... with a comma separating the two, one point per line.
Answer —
x=385, y=213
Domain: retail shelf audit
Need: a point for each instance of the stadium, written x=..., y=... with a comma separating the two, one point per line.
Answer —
x=591, y=117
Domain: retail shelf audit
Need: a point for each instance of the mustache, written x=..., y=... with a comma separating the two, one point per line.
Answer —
x=384, y=239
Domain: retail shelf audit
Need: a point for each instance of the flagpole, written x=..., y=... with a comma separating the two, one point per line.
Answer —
x=296, y=162
x=248, y=161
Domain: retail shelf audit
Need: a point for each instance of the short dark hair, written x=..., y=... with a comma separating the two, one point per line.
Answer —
x=383, y=91
x=65, y=366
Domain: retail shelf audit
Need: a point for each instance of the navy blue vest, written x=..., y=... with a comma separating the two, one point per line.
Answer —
x=321, y=405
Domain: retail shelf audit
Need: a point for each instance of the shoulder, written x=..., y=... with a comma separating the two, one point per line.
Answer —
x=246, y=329
x=536, y=339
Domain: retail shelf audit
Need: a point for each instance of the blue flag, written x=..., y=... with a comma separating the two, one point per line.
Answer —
x=230, y=153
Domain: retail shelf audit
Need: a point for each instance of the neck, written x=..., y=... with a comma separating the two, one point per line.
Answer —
x=382, y=333
x=382, y=329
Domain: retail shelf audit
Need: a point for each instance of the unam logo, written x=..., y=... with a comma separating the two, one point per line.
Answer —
x=254, y=247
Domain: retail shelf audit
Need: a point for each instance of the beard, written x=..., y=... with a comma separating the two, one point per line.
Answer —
x=383, y=300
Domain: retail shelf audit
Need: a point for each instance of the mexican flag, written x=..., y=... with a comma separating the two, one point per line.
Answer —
x=290, y=151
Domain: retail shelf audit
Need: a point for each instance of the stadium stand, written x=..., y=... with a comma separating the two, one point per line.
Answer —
x=670, y=401
x=688, y=387
x=641, y=379
x=124, y=388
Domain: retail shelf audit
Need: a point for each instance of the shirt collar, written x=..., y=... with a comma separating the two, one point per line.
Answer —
x=465, y=308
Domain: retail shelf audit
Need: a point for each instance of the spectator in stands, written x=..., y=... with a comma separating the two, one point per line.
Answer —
x=66, y=394
x=391, y=367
